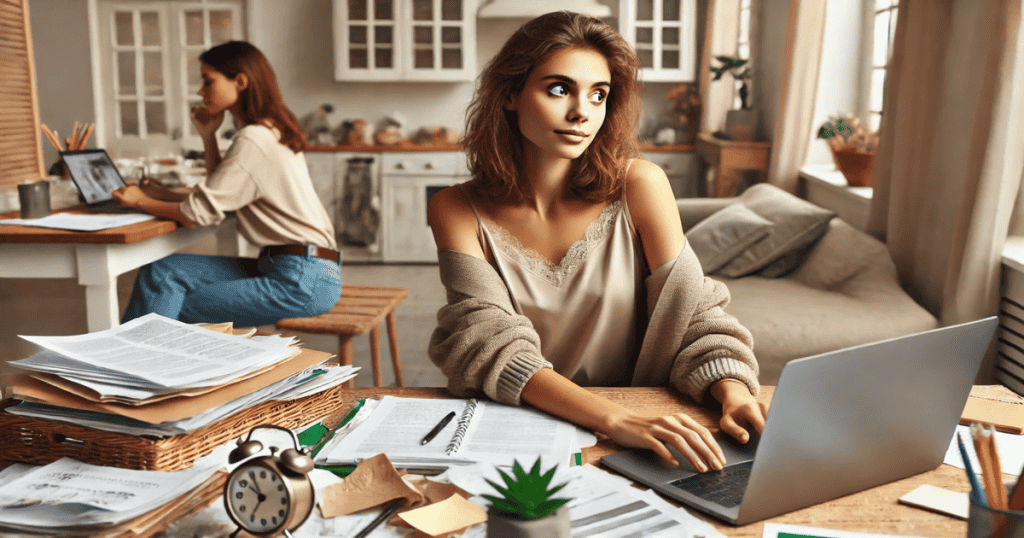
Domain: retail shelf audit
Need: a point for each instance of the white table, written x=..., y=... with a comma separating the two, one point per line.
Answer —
x=97, y=258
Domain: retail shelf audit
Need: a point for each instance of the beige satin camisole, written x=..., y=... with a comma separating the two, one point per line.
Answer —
x=585, y=308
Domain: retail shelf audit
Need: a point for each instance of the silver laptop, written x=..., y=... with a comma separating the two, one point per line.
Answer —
x=839, y=423
x=96, y=177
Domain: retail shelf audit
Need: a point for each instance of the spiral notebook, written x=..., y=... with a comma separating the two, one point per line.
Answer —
x=482, y=431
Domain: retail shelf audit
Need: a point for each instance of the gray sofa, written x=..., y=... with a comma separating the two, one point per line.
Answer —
x=844, y=291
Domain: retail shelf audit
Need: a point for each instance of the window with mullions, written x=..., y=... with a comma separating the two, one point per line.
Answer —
x=879, y=30
x=150, y=64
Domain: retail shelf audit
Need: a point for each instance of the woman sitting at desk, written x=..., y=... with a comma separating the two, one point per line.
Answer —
x=552, y=138
x=263, y=177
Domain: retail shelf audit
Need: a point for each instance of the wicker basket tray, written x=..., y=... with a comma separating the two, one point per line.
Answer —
x=32, y=440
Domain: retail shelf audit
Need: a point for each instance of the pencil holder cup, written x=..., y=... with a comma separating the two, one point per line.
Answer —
x=34, y=199
x=986, y=522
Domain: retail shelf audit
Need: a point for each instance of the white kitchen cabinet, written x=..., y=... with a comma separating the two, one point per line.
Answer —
x=664, y=35
x=405, y=40
x=410, y=180
x=681, y=169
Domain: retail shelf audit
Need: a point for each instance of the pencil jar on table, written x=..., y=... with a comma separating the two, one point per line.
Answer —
x=986, y=522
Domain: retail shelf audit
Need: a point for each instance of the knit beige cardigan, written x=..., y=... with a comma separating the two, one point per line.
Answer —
x=481, y=343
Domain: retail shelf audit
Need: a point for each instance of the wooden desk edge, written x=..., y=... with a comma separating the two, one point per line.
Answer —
x=132, y=233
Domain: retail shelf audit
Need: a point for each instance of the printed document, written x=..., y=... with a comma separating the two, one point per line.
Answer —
x=81, y=223
x=153, y=351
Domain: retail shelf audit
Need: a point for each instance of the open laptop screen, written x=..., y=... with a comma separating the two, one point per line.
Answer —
x=93, y=173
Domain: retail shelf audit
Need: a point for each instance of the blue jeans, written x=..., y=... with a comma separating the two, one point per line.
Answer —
x=194, y=288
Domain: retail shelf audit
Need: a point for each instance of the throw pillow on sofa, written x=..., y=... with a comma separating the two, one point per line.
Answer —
x=725, y=234
x=798, y=224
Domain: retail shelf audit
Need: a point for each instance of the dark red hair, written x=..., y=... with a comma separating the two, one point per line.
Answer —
x=494, y=145
x=261, y=99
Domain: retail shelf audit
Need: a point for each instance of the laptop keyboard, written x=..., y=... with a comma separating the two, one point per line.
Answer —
x=724, y=487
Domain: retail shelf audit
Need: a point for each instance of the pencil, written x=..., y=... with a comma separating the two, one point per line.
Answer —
x=1017, y=497
x=85, y=136
x=51, y=136
x=986, y=466
x=999, y=500
x=977, y=493
x=74, y=136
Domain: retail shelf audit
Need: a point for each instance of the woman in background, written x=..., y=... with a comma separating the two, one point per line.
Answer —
x=262, y=177
x=551, y=138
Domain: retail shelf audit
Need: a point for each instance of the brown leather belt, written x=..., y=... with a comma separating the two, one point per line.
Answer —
x=301, y=250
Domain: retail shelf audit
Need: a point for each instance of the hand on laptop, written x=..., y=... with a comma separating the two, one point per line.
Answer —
x=739, y=408
x=680, y=431
x=129, y=196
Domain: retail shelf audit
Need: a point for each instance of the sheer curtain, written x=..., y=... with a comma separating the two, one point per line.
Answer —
x=791, y=133
x=950, y=163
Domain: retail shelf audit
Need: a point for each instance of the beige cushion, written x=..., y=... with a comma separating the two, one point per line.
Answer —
x=726, y=234
x=797, y=225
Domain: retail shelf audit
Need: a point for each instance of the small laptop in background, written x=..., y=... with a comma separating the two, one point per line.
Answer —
x=96, y=177
x=839, y=423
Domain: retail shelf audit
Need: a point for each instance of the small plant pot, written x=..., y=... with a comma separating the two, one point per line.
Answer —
x=554, y=525
x=855, y=166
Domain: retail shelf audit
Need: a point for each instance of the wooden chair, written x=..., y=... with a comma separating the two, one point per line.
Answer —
x=359, y=310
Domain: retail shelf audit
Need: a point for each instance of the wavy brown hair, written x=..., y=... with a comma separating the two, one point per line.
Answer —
x=261, y=99
x=494, y=145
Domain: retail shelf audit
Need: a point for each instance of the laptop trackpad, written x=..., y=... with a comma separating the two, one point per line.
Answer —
x=645, y=466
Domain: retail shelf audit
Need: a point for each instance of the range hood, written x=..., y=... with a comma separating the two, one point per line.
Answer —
x=532, y=8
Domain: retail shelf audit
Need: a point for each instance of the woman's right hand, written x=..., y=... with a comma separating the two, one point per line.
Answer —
x=680, y=431
x=206, y=124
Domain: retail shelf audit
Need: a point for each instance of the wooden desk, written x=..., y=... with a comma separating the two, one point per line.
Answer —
x=97, y=258
x=874, y=510
x=727, y=158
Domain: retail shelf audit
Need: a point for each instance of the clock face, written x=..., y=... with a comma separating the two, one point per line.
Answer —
x=258, y=498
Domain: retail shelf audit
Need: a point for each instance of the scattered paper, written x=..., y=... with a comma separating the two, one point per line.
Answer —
x=1010, y=448
x=81, y=223
x=450, y=515
x=374, y=482
x=929, y=497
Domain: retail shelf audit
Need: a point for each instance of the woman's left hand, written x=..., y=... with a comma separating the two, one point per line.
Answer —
x=129, y=196
x=740, y=409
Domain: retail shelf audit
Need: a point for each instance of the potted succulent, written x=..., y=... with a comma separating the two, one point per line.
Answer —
x=526, y=508
x=739, y=124
x=853, y=148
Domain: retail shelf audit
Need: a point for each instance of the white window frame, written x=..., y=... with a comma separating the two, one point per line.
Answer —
x=743, y=48
x=177, y=94
x=872, y=11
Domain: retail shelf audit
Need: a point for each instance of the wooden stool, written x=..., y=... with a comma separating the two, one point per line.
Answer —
x=359, y=310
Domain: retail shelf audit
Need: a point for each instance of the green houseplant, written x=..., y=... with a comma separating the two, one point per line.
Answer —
x=740, y=124
x=526, y=508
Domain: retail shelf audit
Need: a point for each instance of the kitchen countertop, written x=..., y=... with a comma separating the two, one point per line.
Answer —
x=410, y=147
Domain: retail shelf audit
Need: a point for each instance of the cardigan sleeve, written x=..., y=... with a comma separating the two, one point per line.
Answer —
x=690, y=342
x=480, y=342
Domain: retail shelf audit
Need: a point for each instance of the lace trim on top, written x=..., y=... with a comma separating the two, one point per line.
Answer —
x=539, y=264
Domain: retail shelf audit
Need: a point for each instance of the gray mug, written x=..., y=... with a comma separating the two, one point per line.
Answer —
x=34, y=199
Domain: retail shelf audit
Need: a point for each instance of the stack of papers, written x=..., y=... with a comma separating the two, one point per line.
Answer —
x=71, y=498
x=158, y=376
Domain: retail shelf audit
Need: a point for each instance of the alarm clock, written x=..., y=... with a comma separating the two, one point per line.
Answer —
x=269, y=495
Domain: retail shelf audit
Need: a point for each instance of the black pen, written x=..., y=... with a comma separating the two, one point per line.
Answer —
x=437, y=429
x=382, y=518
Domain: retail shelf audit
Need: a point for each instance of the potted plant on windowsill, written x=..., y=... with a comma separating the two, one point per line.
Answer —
x=526, y=508
x=853, y=148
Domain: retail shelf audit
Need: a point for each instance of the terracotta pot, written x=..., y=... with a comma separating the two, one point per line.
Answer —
x=855, y=166
x=555, y=525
